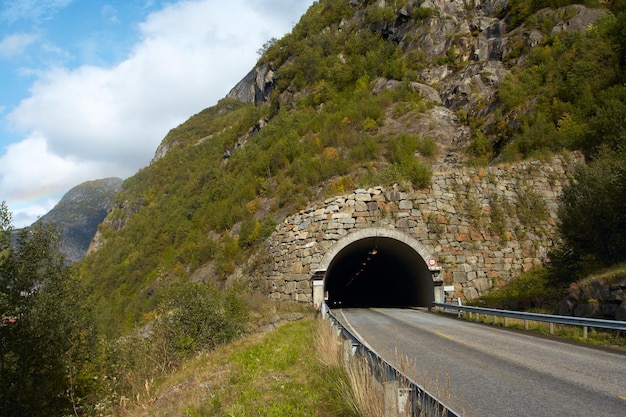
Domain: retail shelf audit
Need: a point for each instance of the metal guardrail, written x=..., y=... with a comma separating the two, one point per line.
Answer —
x=414, y=400
x=547, y=318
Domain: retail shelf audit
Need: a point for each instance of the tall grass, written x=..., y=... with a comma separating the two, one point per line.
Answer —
x=362, y=385
x=357, y=382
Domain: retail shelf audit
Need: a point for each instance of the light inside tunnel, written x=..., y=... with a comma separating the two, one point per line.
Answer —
x=378, y=272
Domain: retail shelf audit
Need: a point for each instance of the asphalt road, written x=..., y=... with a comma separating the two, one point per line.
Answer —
x=481, y=371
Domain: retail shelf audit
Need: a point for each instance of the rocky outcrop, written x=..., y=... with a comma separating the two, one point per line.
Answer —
x=126, y=209
x=162, y=150
x=428, y=93
x=256, y=87
x=472, y=44
x=596, y=298
x=577, y=19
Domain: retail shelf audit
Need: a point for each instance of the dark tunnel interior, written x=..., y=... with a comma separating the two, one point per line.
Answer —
x=378, y=272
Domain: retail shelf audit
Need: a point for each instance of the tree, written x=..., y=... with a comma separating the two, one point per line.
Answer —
x=5, y=242
x=592, y=211
x=46, y=336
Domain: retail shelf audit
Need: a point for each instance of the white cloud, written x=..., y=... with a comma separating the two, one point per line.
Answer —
x=93, y=122
x=35, y=179
x=16, y=44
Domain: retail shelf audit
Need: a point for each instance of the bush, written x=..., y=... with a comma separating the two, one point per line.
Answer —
x=402, y=151
x=198, y=316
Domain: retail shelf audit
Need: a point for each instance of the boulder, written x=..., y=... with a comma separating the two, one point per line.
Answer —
x=565, y=308
x=589, y=310
x=620, y=312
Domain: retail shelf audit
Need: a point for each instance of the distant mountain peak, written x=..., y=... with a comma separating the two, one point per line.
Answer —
x=79, y=213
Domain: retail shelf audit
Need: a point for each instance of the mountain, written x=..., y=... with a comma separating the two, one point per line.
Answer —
x=360, y=94
x=79, y=213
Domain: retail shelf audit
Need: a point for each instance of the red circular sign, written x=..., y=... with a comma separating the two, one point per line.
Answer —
x=432, y=262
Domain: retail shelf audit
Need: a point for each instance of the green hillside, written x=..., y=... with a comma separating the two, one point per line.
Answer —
x=232, y=171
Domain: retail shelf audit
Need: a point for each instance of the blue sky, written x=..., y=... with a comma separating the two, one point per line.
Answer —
x=89, y=88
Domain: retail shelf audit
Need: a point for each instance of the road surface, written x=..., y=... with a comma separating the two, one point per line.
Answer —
x=481, y=371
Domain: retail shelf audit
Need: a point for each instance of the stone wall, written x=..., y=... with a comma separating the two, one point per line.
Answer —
x=484, y=226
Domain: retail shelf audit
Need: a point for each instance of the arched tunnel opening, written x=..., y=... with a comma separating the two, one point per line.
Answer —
x=378, y=272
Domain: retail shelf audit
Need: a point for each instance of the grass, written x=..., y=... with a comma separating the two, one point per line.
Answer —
x=270, y=374
x=353, y=376
x=598, y=337
x=299, y=369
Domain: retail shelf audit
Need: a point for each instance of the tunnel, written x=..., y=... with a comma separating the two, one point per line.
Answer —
x=378, y=272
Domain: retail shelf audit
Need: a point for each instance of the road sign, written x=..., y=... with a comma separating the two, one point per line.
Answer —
x=432, y=262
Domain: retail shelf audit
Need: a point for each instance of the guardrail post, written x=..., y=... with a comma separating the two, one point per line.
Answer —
x=525, y=324
x=585, y=330
x=391, y=391
x=347, y=350
x=551, y=329
x=506, y=322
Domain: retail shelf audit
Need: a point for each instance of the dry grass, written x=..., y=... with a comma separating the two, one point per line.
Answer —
x=328, y=345
x=360, y=389
x=297, y=370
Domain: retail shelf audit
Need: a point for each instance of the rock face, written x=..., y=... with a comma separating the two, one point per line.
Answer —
x=79, y=213
x=471, y=35
x=596, y=298
x=483, y=225
x=255, y=87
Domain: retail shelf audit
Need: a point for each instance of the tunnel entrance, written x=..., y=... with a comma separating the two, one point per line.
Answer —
x=378, y=271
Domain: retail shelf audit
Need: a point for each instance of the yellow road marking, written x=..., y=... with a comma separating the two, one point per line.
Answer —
x=444, y=335
x=460, y=342
x=622, y=397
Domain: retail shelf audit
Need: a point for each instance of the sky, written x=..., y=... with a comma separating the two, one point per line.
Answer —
x=89, y=88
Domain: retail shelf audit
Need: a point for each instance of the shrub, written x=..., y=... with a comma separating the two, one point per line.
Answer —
x=531, y=207
x=528, y=291
x=418, y=173
x=197, y=316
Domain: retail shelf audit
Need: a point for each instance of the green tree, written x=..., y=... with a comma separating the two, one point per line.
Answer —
x=45, y=337
x=592, y=212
